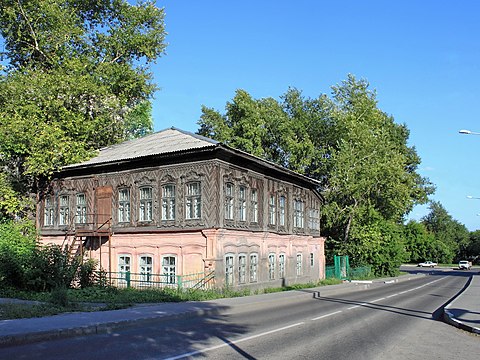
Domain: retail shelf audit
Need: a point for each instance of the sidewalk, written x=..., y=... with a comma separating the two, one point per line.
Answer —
x=465, y=308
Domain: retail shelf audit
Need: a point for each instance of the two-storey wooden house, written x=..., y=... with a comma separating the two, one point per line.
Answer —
x=175, y=203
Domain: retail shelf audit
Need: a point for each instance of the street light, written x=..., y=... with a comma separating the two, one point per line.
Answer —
x=468, y=132
x=472, y=197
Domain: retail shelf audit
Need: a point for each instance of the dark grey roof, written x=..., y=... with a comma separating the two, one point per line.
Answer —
x=166, y=141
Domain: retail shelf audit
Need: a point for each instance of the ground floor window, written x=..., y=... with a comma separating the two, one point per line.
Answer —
x=299, y=264
x=124, y=262
x=169, y=269
x=253, y=267
x=242, y=269
x=271, y=267
x=229, y=270
x=281, y=266
x=146, y=268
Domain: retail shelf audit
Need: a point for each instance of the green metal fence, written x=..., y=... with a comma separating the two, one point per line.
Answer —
x=148, y=280
x=342, y=270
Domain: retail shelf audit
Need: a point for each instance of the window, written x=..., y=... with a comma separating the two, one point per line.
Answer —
x=253, y=267
x=64, y=210
x=271, y=210
x=229, y=201
x=281, y=220
x=242, y=269
x=312, y=263
x=229, y=270
x=271, y=267
x=81, y=214
x=298, y=208
x=146, y=204
x=169, y=269
x=168, y=202
x=299, y=264
x=254, y=202
x=281, y=266
x=124, y=262
x=48, y=211
x=242, y=203
x=123, y=205
x=145, y=268
x=314, y=219
x=193, y=201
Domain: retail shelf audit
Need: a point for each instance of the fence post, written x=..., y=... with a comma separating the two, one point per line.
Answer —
x=127, y=278
x=179, y=281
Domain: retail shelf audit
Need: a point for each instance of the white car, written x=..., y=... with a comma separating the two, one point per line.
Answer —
x=464, y=265
x=427, y=264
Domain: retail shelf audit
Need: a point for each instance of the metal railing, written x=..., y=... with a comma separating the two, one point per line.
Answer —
x=128, y=279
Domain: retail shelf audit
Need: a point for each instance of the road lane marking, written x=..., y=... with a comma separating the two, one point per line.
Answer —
x=326, y=315
x=357, y=306
x=228, y=343
x=377, y=300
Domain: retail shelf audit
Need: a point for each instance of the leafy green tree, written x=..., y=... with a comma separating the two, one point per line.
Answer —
x=77, y=78
x=453, y=237
x=473, y=248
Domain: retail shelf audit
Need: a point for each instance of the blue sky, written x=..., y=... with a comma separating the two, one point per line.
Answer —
x=422, y=57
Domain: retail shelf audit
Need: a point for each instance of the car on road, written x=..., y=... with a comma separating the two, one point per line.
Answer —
x=464, y=265
x=427, y=264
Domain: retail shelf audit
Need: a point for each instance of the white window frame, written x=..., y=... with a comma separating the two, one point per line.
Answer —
x=168, y=202
x=299, y=265
x=253, y=267
x=242, y=268
x=124, y=266
x=81, y=208
x=48, y=211
x=281, y=265
x=146, y=204
x=242, y=203
x=272, y=210
x=193, y=201
x=229, y=269
x=254, y=203
x=64, y=210
x=169, y=269
x=298, y=214
x=229, y=198
x=145, y=268
x=271, y=266
x=124, y=205
x=282, y=208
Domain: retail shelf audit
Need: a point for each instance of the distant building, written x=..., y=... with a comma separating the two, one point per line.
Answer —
x=174, y=203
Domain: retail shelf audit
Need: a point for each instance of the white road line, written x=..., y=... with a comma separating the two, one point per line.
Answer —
x=390, y=296
x=326, y=315
x=377, y=300
x=228, y=343
x=357, y=306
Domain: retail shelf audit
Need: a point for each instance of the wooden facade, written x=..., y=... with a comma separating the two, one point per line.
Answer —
x=206, y=209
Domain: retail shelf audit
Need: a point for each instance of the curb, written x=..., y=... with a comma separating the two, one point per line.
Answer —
x=449, y=318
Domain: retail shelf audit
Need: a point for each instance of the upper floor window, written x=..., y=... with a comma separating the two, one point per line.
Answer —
x=229, y=201
x=64, y=210
x=48, y=211
x=168, y=202
x=298, y=214
x=254, y=203
x=242, y=203
x=81, y=209
x=169, y=269
x=271, y=210
x=314, y=219
x=146, y=204
x=193, y=201
x=282, y=206
x=124, y=205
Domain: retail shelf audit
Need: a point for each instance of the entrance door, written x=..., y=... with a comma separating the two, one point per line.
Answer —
x=103, y=205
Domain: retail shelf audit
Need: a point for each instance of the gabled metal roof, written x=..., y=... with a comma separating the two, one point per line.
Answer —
x=170, y=140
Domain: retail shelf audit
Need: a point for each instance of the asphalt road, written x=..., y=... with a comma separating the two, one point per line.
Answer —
x=388, y=321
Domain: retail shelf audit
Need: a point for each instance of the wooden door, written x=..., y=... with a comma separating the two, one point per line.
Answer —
x=103, y=204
